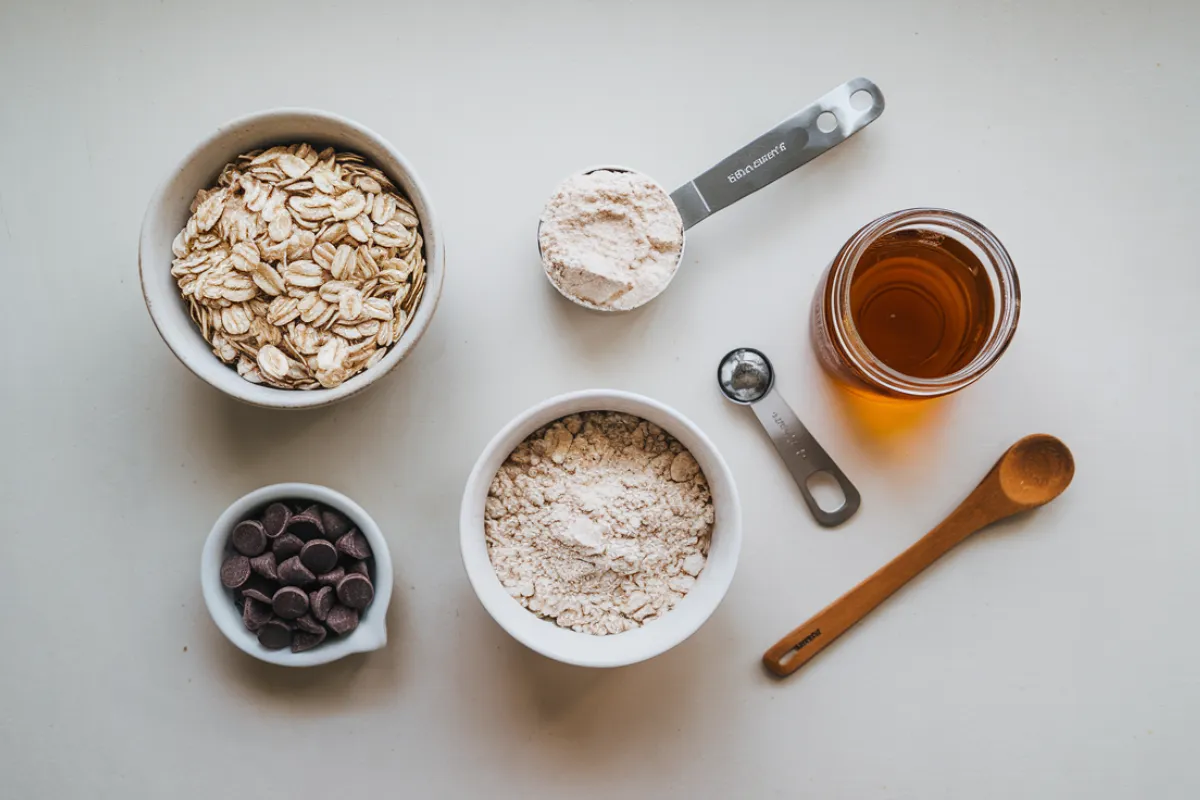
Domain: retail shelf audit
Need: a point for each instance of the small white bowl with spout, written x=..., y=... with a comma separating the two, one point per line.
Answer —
x=371, y=633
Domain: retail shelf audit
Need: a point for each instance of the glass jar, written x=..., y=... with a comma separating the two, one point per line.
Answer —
x=991, y=305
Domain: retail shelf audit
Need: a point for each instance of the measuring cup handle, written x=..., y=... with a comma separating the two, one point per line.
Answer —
x=790, y=144
x=804, y=458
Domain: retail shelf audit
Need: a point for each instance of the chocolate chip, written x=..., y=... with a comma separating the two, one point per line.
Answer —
x=248, y=537
x=321, y=601
x=302, y=546
x=235, y=571
x=302, y=640
x=290, y=602
x=342, y=620
x=287, y=546
x=275, y=634
x=258, y=595
x=255, y=614
x=307, y=524
x=354, y=544
x=332, y=577
x=336, y=523
x=265, y=565
x=293, y=573
x=319, y=555
x=275, y=519
x=355, y=591
x=258, y=583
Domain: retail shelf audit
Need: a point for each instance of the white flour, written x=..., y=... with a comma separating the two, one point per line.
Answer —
x=611, y=240
x=600, y=522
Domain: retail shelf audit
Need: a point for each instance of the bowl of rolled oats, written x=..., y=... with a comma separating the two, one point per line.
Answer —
x=291, y=259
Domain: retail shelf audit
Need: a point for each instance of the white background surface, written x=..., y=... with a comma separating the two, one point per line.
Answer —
x=1053, y=657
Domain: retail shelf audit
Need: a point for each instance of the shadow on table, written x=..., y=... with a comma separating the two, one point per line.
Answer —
x=598, y=337
x=355, y=681
x=885, y=426
x=243, y=440
x=623, y=711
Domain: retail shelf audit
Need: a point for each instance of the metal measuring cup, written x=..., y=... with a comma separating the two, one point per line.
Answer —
x=747, y=378
x=814, y=129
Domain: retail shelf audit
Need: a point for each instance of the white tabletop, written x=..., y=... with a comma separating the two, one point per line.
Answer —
x=1052, y=657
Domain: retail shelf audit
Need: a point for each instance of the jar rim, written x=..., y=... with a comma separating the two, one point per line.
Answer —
x=854, y=349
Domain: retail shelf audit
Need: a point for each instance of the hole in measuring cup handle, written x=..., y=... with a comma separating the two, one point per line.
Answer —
x=862, y=100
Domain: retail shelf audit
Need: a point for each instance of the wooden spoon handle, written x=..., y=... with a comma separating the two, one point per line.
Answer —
x=794, y=650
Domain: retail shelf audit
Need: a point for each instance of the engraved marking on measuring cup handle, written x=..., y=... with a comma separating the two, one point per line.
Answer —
x=790, y=144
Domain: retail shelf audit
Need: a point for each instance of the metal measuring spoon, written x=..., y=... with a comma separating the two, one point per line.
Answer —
x=746, y=377
x=800, y=138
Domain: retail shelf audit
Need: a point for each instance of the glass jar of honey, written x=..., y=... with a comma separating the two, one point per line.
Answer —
x=917, y=304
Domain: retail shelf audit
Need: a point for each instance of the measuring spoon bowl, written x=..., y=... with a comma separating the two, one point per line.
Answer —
x=745, y=375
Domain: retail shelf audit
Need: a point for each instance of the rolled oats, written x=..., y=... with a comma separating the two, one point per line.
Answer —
x=300, y=268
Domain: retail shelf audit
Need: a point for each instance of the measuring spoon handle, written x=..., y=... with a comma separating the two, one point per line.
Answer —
x=804, y=457
x=790, y=144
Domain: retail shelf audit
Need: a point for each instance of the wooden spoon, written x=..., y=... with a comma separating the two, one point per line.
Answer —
x=1031, y=473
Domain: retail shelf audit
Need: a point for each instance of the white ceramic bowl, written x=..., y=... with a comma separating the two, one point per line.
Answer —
x=168, y=212
x=652, y=639
x=371, y=633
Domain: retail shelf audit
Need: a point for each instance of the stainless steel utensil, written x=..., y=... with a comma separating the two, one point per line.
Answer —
x=747, y=378
x=811, y=131
x=792, y=143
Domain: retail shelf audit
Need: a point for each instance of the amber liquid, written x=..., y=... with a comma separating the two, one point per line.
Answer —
x=922, y=303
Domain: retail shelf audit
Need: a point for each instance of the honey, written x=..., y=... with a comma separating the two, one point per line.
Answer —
x=922, y=305
x=916, y=304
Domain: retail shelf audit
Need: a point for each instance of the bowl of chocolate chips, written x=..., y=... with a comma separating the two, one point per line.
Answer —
x=297, y=574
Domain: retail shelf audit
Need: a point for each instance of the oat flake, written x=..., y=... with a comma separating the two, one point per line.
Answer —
x=280, y=262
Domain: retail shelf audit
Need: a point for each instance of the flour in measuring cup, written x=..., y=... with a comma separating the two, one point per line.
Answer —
x=610, y=239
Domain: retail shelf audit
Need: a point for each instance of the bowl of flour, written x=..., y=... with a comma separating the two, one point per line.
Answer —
x=600, y=528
